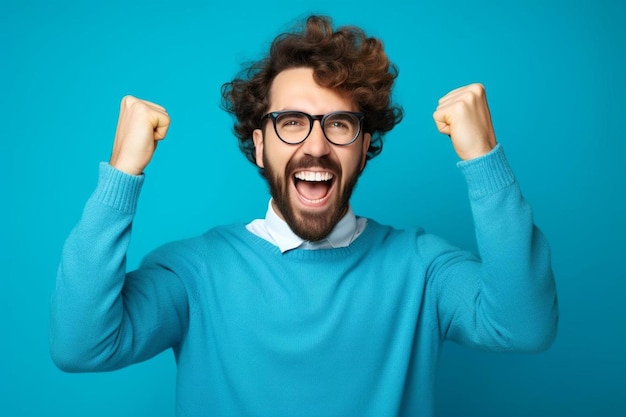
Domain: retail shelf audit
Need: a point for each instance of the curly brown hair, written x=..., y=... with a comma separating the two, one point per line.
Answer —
x=345, y=60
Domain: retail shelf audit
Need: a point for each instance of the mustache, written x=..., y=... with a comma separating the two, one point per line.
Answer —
x=309, y=161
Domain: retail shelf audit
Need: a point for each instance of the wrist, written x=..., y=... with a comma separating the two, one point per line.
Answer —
x=478, y=152
x=125, y=167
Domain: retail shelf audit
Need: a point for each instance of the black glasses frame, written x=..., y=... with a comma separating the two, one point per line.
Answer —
x=312, y=118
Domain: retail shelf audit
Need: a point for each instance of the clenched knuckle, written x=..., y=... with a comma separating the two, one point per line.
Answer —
x=128, y=100
x=462, y=106
x=478, y=89
x=139, y=107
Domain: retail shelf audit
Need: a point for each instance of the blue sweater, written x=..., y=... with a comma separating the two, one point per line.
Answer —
x=354, y=331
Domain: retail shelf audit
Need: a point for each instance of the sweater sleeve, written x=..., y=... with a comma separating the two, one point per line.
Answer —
x=505, y=299
x=101, y=317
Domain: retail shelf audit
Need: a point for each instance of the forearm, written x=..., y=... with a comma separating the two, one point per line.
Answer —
x=103, y=318
x=513, y=297
x=87, y=309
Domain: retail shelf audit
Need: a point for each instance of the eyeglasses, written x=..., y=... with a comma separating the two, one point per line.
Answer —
x=340, y=128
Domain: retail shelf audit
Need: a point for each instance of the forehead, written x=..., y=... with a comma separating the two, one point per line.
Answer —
x=296, y=89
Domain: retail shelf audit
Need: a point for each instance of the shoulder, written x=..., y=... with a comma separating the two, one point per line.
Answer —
x=209, y=242
x=383, y=235
x=406, y=241
x=384, y=231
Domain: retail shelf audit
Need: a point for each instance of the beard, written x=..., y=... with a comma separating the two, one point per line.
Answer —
x=310, y=225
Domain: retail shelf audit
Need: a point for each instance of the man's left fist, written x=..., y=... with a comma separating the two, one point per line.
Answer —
x=463, y=114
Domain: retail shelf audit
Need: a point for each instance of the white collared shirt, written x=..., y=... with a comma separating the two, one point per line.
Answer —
x=276, y=231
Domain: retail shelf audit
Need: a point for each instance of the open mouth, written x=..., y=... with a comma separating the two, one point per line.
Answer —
x=313, y=187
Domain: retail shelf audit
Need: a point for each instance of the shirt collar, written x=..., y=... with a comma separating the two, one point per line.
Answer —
x=342, y=234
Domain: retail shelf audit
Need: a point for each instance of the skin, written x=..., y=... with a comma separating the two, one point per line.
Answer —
x=463, y=115
x=295, y=89
x=141, y=125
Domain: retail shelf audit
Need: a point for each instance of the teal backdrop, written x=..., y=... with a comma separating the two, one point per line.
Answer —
x=555, y=75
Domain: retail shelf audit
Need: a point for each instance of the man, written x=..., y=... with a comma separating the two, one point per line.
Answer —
x=311, y=310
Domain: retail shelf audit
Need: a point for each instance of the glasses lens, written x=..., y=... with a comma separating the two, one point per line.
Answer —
x=292, y=127
x=341, y=128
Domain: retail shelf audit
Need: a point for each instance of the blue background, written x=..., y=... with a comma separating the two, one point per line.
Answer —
x=555, y=77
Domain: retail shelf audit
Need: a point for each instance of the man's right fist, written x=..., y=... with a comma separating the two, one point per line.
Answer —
x=141, y=124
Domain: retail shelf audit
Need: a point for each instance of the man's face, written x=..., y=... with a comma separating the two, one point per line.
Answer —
x=311, y=182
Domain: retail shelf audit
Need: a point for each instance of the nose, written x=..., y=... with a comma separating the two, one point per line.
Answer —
x=316, y=144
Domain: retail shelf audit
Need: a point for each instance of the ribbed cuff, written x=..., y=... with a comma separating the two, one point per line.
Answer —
x=117, y=189
x=487, y=174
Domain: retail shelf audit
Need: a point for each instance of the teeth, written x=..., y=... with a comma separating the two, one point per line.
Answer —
x=314, y=176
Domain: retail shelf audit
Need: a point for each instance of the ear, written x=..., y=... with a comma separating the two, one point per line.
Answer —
x=257, y=137
x=367, y=139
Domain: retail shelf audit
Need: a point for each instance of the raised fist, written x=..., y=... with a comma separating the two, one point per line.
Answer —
x=140, y=126
x=463, y=114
